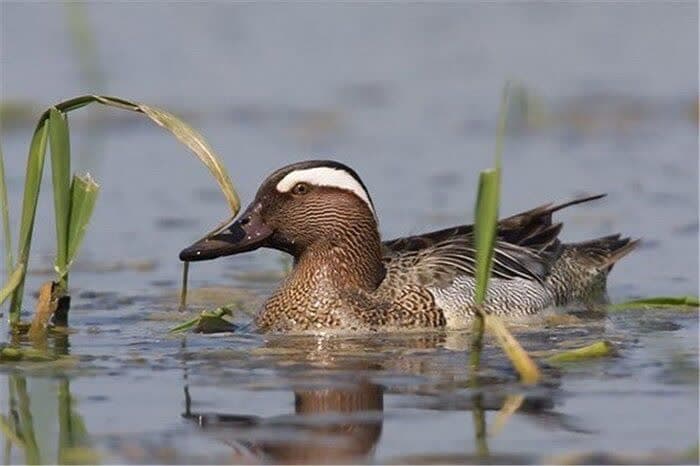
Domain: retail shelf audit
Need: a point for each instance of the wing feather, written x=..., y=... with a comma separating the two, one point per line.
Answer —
x=526, y=246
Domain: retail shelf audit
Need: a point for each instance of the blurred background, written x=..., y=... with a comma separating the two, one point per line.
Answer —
x=604, y=99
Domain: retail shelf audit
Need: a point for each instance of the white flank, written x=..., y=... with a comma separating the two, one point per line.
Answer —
x=325, y=176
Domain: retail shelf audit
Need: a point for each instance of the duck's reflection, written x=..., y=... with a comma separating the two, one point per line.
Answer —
x=341, y=421
x=332, y=425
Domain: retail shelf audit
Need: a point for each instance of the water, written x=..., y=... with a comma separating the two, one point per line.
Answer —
x=408, y=96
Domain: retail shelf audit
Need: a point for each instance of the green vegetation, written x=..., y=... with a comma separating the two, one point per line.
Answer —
x=5, y=212
x=599, y=349
x=15, y=354
x=207, y=322
x=74, y=200
x=485, y=230
x=658, y=302
x=12, y=282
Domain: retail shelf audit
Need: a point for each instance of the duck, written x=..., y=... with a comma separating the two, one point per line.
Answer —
x=346, y=278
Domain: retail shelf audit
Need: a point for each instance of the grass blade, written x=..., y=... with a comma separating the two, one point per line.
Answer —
x=598, y=349
x=84, y=192
x=523, y=363
x=5, y=207
x=485, y=224
x=183, y=290
x=32, y=185
x=70, y=235
x=207, y=322
x=487, y=202
x=181, y=130
x=60, y=174
x=192, y=139
x=185, y=326
x=12, y=283
x=485, y=230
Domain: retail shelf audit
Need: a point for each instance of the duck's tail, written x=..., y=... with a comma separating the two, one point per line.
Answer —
x=602, y=253
x=580, y=274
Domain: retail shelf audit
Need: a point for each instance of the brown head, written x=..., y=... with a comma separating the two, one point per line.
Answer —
x=299, y=207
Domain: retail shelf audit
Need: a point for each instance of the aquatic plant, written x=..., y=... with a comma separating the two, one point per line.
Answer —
x=74, y=200
x=599, y=349
x=658, y=302
x=485, y=230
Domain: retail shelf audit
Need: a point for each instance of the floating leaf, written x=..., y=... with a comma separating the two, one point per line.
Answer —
x=658, y=302
x=207, y=322
x=598, y=349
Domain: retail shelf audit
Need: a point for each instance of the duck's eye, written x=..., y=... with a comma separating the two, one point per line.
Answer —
x=301, y=188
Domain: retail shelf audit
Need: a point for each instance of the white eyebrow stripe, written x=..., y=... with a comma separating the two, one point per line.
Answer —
x=325, y=176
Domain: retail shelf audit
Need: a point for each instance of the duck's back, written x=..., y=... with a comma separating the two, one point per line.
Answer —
x=532, y=269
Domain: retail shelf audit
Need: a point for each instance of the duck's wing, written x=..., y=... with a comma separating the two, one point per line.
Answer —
x=526, y=246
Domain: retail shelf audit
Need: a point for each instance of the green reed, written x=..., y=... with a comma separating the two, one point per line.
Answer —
x=598, y=349
x=485, y=233
x=5, y=213
x=74, y=199
x=658, y=302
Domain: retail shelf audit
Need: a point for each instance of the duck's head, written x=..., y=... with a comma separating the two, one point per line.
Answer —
x=295, y=207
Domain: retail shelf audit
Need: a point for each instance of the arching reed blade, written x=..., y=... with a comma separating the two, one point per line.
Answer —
x=74, y=202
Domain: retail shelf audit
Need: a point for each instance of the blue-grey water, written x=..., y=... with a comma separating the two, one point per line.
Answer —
x=408, y=95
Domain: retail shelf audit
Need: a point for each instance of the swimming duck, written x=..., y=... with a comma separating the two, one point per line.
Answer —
x=345, y=278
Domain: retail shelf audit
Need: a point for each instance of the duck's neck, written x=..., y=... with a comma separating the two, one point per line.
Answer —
x=325, y=273
x=349, y=260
